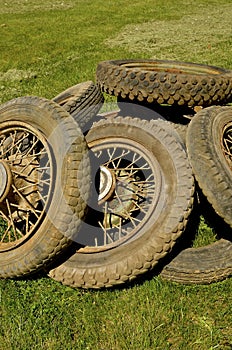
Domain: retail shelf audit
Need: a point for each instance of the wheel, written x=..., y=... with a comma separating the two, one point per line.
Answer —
x=209, y=147
x=82, y=101
x=165, y=82
x=202, y=265
x=44, y=183
x=143, y=197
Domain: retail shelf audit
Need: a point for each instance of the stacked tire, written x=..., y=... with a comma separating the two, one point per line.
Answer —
x=97, y=200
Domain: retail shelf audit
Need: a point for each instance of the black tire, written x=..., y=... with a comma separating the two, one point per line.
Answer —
x=82, y=101
x=157, y=217
x=209, y=148
x=165, y=82
x=44, y=186
x=202, y=265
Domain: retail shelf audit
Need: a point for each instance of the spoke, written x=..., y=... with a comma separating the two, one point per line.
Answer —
x=34, y=211
x=29, y=162
x=6, y=233
x=137, y=206
x=118, y=157
x=12, y=143
x=27, y=165
x=134, y=161
x=11, y=219
x=34, y=156
x=134, y=193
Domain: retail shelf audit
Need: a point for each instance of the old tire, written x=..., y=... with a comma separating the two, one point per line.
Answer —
x=154, y=204
x=82, y=101
x=209, y=147
x=203, y=265
x=165, y=82
x=44, y=186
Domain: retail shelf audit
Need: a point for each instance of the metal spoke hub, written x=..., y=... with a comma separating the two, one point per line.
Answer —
x=227, y=143
x=129, y=188
x=25, y=182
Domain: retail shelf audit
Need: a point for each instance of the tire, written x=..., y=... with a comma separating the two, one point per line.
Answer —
x=209, y=148
x=82, y=101
x=203, y=265
x=165, y=82
x=141, y=225
x=44, y=186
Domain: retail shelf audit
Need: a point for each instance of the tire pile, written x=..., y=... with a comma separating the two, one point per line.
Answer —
x=97, y=199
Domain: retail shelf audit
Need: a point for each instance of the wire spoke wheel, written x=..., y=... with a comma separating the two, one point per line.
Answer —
x=141, y=201
x=44, y=183
x=26, y=184
x=209, y=134
x=128, y=186
x=227, y=143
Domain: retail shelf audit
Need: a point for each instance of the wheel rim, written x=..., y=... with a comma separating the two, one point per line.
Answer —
x=227, y=143
x=26, y=179
x=128, y=187
x=171, y=67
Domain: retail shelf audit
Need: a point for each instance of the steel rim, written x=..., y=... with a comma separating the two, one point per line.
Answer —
x=227, y=143
x=130, y=196
x=171, y=67
x=26, y=163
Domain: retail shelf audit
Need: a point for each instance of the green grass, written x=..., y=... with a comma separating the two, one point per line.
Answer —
x=45, y=48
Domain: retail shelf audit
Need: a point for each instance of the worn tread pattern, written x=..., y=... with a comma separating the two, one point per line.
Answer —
x=82, y=101
x=108, y=269
x=203, y=265
x=208, y=162
x=165, y=82
x=57, y=228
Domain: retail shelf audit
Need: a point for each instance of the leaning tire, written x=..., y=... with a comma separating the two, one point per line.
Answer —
x=209, y=147
x=202, y=265
x=82, y=101
x=145, y=198
x=44, y=186
x=165, y=82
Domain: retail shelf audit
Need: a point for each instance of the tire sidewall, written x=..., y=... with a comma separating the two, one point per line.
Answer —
x=43, y=117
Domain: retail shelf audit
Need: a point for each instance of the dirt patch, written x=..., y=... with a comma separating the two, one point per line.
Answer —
x=194, y=36
x=17, y=75
x=22, y=6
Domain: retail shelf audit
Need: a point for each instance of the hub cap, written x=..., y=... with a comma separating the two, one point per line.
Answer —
x=5, y=180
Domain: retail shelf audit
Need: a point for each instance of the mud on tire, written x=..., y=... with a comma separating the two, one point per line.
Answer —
x=142, y=208
x=44, y=186
x=165, y=82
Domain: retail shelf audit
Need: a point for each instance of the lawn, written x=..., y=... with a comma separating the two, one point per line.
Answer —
x=46, y=47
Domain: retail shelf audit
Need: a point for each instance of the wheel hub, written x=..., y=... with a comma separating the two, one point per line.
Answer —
x=5, y=180
x=107, y=184
x=110, y=190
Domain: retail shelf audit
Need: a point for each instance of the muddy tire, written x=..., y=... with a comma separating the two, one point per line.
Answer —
x=82, y=101
x=202, y=265
x=44, y=186
x=143, y=205
x=165, y=82
x=210, y=152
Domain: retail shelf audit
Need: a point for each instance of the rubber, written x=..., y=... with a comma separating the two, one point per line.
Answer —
x=71, y=185
x=203, y=265
x=123, y=263
x=211, y=169
x=82, y=101
x=165, y=82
